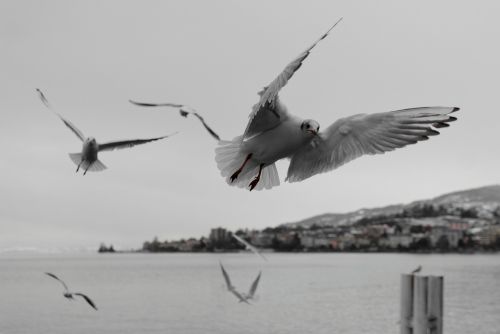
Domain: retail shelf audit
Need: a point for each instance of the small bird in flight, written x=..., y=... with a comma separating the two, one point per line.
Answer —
x=184, y=110
x=249, y=246
x=273, y=133
x=69, y=295
x=87, y=159
x=242, y=297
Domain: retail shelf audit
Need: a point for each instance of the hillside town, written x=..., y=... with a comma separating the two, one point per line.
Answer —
x=426, y=226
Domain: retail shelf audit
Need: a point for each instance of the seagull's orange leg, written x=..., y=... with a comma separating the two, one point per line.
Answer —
x=256, y=180
x=235, y=174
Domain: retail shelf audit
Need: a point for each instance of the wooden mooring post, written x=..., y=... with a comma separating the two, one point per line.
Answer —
x=421, y=304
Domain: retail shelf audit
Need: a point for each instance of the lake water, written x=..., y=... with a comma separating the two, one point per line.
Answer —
x=185, y=293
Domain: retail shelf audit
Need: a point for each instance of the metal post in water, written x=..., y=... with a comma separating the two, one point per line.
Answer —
x=406, y=314
x=421, y=304
x=435, y=304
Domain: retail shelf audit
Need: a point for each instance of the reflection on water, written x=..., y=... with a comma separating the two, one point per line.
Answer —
x=185, y=293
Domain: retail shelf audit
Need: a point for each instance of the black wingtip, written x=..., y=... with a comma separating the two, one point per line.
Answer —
x=432, y=132
x=452, y=119
x=143, y=104
x=440, y=125
x=455, y=109
x=326, y=34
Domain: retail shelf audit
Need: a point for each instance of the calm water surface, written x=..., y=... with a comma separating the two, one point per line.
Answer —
x=185, y=293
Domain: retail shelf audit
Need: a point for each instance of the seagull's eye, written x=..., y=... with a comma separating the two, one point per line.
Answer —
x=308, y=126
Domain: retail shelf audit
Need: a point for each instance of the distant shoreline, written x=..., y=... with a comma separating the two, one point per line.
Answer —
x=467, y=252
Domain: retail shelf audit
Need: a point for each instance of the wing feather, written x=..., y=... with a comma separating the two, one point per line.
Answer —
x=184, y=113
x=269, y=112
x=66, y=122
x=351, y=137
x=118, y=145
x=57, y=278
x=249, y=246
x=72, y=127
x=87, y=299
x=226, y=277
x=205, y=125
x=146, y=104
x=253, y=288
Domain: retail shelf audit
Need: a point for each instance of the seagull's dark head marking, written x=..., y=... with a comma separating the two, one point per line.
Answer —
x=310, y=127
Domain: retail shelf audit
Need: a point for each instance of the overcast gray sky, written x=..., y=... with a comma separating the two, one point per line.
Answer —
x=90, y=57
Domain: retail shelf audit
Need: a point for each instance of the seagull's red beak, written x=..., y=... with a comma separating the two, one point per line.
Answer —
x=313, y=132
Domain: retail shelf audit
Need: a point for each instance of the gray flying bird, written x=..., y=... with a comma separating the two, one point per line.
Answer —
x=273, y=133
x=69, y=295
x=242, y=297
x=184, y=110
x=87, y=159
x=249, y=246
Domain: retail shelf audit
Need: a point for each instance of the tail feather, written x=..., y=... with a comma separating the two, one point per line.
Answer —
x=76, y=158
x=228, y=155
x=96, y=166
x=229, y=158
x=269, y=177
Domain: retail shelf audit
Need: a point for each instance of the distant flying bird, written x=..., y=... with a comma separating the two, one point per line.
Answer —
x=184, y=110
x=87, y=159
x=416, y=270
x=242, y=297
x=69, y=295
x=273, y=133
x=249, y=246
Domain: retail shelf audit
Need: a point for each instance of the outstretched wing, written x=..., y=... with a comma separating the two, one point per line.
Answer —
x=145, y=104
x=57, y=278
x=43, y=98
x=118, y=145
x=253, y=288
x=226, y=277
x=70, y=125
x=351, y=137
x=182, y=111
x=205, y=125
x=91, y=303
x=268, y=112
x=249, y=246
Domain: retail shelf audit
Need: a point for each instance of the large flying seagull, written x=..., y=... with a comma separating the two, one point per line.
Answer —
x=273, y=133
